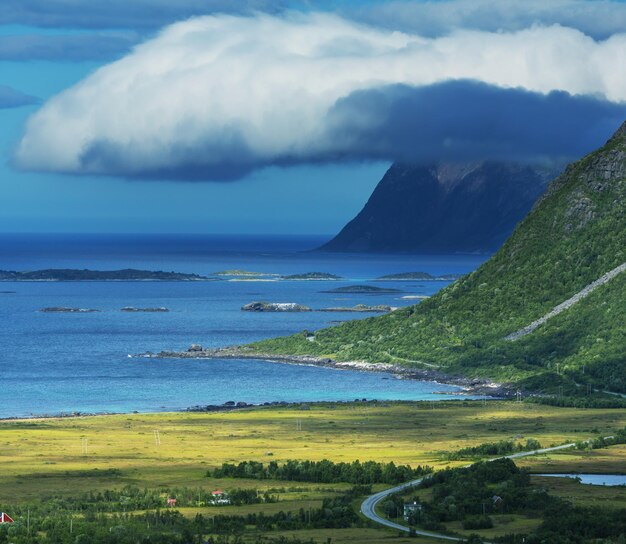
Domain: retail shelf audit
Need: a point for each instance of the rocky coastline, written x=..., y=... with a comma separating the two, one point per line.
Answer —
x=469, y=386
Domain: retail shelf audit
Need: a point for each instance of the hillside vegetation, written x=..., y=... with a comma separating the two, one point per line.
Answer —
x=574, y=235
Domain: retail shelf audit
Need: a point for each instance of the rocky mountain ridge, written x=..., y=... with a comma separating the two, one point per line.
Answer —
x=443, y=208
x=573, y=236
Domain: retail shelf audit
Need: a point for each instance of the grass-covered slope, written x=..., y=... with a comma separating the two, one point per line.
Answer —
x=574, y=235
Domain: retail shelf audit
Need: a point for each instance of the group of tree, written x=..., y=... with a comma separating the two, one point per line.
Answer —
x=51, y=522
x=493, y=449
x=130, y=498
x=325, y=471
x=618, y=437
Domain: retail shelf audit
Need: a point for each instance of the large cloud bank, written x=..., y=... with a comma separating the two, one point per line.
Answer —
x=215, y=97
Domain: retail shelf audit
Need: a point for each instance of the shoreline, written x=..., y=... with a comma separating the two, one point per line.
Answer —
x=469, y=386
x=232, y=406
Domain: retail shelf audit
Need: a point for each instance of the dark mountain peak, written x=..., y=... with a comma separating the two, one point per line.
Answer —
x=443, y=207
x=545, y=310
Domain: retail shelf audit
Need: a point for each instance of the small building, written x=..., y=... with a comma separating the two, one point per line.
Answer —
x=410, y=509
x=171, y=502
x=219, y=497
x=497, y=501
x=5, y=518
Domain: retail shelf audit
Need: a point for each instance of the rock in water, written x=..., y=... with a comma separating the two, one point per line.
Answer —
x=63, y=309
x=275, y=307
x=133, y=309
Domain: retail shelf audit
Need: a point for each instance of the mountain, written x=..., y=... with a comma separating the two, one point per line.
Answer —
x=443, y=208
x=561, y=270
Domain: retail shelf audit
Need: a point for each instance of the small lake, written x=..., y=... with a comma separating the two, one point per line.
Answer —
x=593, y=479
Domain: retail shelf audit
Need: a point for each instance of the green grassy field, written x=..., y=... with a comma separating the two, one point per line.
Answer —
x=70, y=456
x=581, y=494
x=41, y=456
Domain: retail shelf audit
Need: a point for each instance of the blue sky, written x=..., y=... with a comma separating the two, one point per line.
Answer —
x=296, y=133
x=304, y=199
x=320, y=201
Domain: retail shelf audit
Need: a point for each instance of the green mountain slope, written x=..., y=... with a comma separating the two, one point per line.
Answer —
x=574, y=235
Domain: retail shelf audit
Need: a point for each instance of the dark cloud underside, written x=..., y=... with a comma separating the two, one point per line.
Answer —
x=457, y=120
x=471, y=120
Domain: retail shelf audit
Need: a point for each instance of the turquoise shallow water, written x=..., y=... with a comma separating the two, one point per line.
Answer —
x=52, y=362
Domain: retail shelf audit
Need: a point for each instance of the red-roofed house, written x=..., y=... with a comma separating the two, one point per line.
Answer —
x=220, y=497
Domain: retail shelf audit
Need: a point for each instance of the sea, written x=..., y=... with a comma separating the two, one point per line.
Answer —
x=62, y=363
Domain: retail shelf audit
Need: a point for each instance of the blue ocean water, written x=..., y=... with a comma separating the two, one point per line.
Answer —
x=57, y=362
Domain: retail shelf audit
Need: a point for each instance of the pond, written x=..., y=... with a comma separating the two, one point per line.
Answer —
x=593, y=479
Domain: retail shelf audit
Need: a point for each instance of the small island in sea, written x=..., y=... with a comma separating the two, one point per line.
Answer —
x=312, y=276
x=363, y=290
x=238, y=273
x=274, y=307
x=418, y=276
x=132, y=309
x=65, y=310
x=127, y=274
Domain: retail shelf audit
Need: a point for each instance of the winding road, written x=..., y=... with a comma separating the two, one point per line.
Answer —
x=368, y=506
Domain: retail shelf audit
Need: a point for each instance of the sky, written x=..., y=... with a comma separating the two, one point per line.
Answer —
x=280, y=117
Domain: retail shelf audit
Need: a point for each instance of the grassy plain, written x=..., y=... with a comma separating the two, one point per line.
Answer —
x=68, y=456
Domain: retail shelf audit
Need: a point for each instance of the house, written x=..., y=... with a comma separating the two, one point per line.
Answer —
x=219, y=497
x=410, y=509
x=4, y=518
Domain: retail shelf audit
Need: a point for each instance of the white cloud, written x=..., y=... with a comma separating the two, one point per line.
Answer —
x=216, y=96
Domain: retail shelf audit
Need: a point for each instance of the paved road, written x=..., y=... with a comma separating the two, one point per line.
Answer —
x=368, y=507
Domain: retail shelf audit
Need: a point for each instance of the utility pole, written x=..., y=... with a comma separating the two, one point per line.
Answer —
x=84, y=443
x=157, y=437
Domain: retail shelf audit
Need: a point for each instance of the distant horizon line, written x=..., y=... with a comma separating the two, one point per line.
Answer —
x=191, y=234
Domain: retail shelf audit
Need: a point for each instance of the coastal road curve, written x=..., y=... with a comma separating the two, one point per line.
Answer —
x=368, y=506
